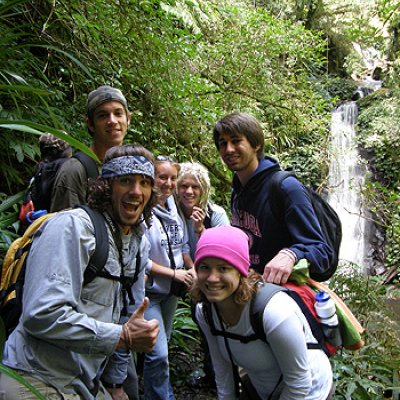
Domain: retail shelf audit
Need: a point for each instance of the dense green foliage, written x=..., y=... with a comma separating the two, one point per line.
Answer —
x=182, y=65
x=179, y=74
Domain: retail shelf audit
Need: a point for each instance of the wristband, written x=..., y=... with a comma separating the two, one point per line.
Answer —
x=127, y=336
x=290, y=253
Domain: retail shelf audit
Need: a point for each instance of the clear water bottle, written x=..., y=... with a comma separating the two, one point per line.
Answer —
x=326, y=311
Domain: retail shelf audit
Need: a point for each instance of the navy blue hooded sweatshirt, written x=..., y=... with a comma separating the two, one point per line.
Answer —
x=297, y=228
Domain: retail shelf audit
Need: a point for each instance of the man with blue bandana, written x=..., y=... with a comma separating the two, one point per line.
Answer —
x=68, y=330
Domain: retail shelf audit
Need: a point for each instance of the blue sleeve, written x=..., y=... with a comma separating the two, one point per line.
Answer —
x=116, y=369
x=307, y=239
x=185, y=234
x=218, y=216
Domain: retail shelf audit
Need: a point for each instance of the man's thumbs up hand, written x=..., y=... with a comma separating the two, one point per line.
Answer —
x=138, y=334
x=142, y=308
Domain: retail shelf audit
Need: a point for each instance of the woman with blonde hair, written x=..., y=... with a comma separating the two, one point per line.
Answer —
x=193, y=195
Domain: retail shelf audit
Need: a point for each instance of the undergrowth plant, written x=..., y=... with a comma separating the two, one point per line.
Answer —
x=185, y=338
x=372, y=372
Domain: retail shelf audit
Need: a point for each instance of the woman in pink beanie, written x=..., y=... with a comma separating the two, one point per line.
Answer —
x=282, y=367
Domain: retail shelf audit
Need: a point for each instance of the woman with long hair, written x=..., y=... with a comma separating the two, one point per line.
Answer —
x=193, y=197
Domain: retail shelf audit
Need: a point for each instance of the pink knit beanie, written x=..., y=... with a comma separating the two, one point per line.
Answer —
x=227, y=243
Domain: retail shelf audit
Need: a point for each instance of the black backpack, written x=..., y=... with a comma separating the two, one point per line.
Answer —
x=42, y=183
x=328, y=219
x=14, y=265
x=207, y=219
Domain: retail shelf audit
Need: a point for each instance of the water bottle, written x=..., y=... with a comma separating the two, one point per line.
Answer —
x=326, y=311
x=196, y=377
x=32, y=215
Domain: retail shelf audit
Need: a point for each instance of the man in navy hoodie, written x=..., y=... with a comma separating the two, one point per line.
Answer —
x=275, y=243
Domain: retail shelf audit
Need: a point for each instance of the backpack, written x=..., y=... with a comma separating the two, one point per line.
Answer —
x=41, y=185
x=14, y=265
x=329, y=221
x=304, y=296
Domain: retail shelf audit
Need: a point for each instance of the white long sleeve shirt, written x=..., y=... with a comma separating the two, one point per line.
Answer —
x=306, y=374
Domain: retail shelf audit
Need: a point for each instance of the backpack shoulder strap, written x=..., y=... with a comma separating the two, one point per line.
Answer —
x=262, y=298
x=138, y=266
x=315, y=325
x=275, y=191
x=99, y=257
x=18, y=249
x=258, y=304
x=207, y=312
x=207, y=219
x=207, y=315
x=90, y=165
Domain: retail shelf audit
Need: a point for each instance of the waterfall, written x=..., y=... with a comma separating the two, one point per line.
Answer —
x=346, y=177
x=348, y=172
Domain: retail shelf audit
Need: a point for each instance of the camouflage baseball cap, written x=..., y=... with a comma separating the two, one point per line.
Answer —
x=52, y=147
x=101, y=95
x=47, y=141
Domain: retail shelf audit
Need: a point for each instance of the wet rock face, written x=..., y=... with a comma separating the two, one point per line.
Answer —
x=394, y=304
x=361, y=92
x=377, y=236
x=377, y=252
x=377, y=74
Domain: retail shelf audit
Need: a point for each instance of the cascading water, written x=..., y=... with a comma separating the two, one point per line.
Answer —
x=346, y=177
x=348, y=171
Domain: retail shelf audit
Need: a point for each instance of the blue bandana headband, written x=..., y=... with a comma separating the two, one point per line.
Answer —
x=127, y=165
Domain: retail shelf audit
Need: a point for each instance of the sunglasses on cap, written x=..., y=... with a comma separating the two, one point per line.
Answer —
x=164, y=158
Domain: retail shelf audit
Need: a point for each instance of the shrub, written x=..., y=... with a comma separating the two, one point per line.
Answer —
x=370, y=372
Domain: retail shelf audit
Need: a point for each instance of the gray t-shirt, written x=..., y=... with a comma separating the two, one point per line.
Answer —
x=70, y=187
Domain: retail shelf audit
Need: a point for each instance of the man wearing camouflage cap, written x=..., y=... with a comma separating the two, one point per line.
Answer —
x=107, y=120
